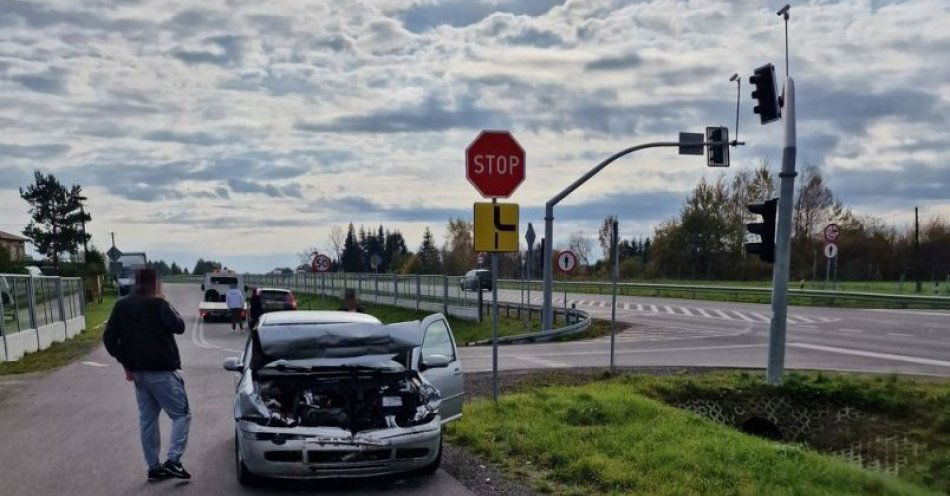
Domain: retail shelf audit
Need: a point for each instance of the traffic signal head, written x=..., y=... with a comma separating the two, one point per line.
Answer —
x=717, y=155
x=765, y=94
x=765, y=229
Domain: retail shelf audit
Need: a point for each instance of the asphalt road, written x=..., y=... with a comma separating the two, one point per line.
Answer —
x=682, y=332
x=75, y=431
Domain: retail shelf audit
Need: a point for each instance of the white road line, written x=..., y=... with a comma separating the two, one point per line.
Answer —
x=603, y=304
x=654, y=309
x=704, y=313
x=743, y=316
x=94, y=364
x=850, y=330
x=624, y=352
x=909, y=312
x=686, y=311
x=540, y=361
x=872, y=354
x=669, y=309
x=805, y=319
x=901, y=334
x=640, y=306
x=761, y=317
x=626, y=306
x=233, y=351
x=723, y=314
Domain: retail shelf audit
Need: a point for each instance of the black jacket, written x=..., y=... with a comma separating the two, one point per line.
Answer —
x=140, y=334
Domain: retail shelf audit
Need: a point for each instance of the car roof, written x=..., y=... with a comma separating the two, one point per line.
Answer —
x=274, y=289
x=317, y=317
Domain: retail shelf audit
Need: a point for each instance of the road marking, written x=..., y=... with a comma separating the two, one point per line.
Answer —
x=540, y=361
x=872, y=354
x=621, y=352
x=233, y=351
x=686, y=311
x=901, y=334
x=743, y=316
x=94, y=364
x=704, y=313
x=805, y=320
x=850, y=330
x=908, y=312
x=669, y=309
x=723, y=314
x=640, y=307
x=761, y=317
x=654, y=309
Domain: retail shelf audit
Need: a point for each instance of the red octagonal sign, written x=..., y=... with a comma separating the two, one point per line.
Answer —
x=494, y=164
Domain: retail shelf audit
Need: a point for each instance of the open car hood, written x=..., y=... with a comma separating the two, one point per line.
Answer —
x=336, y=341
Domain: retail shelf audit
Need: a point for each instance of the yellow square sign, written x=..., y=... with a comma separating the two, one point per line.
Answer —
x=496, y=227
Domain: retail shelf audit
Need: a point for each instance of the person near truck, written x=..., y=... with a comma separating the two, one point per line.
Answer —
x=140, y=334
x=235, y=301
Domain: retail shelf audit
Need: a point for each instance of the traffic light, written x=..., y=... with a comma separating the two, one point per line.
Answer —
x=717, y=155
x=765, y=94
x=765, y=229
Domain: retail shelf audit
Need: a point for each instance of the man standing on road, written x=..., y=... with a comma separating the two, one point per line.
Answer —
x=140, y=334
x=235, y=300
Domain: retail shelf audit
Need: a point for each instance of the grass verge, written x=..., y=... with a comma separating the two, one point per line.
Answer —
x=62, y=353
x=616, y=435
x=465, y=331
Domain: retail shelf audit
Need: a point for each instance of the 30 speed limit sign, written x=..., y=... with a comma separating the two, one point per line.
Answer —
x=566, y=261
x=321, y=263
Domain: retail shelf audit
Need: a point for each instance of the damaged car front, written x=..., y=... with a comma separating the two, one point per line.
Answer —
x=334, y=400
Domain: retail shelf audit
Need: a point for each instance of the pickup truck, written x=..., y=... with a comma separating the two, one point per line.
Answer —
x=213, y=290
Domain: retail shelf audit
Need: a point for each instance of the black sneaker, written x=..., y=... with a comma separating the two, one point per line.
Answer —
x=158, y=473
x=174, y=469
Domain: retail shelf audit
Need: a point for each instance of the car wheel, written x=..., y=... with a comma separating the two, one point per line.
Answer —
x=432, y=467
x=244, y=476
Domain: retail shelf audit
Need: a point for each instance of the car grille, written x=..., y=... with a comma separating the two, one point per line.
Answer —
x=314, y=456
x=283, y=456
x=407, y=453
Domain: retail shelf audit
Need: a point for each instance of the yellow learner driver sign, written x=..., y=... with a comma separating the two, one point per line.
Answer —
x=496, y=227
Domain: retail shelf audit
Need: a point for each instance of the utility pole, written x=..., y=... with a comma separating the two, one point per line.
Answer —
x=614, y=248
x=776, y=360
x=917, y=249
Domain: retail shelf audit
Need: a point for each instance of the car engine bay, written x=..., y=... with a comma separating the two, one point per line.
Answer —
x=351, y=400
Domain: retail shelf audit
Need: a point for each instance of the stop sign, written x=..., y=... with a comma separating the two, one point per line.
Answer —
x=494, y=164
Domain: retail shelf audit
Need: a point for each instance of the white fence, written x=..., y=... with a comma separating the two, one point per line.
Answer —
x=38, y=311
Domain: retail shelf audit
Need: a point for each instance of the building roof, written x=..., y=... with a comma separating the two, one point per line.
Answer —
x=13, y=237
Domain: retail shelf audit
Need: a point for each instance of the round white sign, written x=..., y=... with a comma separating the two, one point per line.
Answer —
x=566, y=261
x=831, y=233
x=321, y=263
x=831, y=250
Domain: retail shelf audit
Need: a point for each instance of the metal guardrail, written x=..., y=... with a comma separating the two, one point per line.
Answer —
x=420, y=292
x=36, y=311
x=696, y=291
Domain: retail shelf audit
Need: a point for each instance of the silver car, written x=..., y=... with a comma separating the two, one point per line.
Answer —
x=338, y=394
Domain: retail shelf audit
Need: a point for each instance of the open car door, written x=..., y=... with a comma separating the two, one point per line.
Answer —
x=438, y=362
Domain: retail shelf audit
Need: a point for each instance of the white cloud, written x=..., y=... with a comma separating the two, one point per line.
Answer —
x=272, y=121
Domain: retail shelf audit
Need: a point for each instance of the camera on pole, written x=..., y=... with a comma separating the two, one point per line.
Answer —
x=765, y=230
x=717, y=155
x=765, y=94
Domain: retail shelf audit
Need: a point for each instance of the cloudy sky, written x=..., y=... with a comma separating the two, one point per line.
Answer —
x=242, y=130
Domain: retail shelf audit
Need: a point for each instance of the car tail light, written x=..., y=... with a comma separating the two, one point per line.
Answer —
x=203, y=314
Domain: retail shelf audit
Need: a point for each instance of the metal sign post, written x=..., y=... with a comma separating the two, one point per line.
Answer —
x=613, y=300
x=529, y=237
x=494, y=323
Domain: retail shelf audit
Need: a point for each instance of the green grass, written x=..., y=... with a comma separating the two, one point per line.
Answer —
x=616, y=436
x=465, y=331
x=62, y=353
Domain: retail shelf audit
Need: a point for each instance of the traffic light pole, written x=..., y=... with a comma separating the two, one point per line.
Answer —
x=547, y=310
x=780, y=273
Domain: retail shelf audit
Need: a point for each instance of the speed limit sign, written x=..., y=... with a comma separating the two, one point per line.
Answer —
x=566, y=261
x=321, y=263
x=831, y=233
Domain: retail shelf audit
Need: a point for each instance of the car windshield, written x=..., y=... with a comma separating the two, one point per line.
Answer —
x=224, y=280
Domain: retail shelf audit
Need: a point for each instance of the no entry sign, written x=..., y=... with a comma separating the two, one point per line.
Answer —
x=566, y=261
x=494, y=164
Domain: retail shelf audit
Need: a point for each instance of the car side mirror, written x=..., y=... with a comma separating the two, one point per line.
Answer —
x=435, y=362
x=233, y=364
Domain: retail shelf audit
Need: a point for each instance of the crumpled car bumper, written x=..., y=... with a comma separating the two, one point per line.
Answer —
x=313, y=453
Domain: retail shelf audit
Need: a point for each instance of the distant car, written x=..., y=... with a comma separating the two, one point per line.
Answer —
x=274, y=300
x=338, y=394
x=33, y=271
x=477, y=279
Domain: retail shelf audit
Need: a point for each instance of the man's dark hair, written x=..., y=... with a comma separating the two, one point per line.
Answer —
x=145, y=281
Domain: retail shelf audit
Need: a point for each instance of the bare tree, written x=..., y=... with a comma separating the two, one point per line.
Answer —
x=814, y=205
x=458, y=253
x=334, y=243
x=582, y=246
